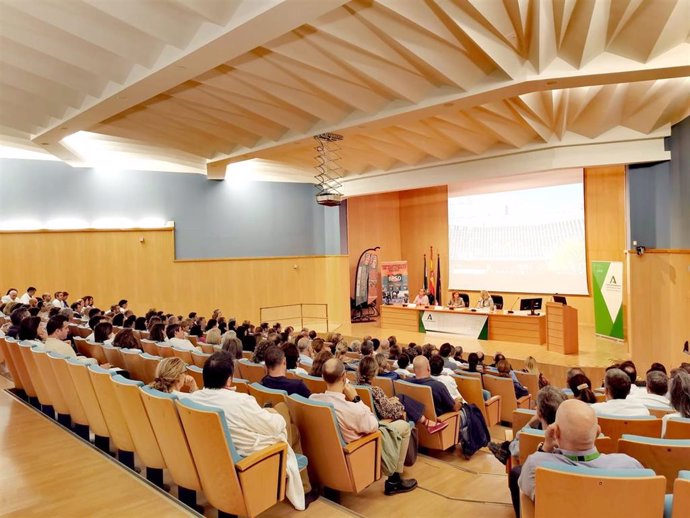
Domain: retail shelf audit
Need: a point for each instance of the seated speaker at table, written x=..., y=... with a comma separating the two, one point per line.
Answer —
x=422, y=298
x=485, y=300
x=456, y=300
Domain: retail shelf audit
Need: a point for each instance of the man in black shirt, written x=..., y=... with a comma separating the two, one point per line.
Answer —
x=274, y=358
x=443, y=402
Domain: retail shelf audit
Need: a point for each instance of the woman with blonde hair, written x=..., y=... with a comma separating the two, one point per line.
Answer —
x=171, y=377
x=532, y=367
x=213, y=337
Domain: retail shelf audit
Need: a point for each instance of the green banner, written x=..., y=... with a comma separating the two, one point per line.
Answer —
x=607, y=284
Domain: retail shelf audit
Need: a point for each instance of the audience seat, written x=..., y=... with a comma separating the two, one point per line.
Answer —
x=615, y=427
x=113, y=414
x=194, y=340
x=149, y=346
x=78, y=371
x=233, y=484
x=41, y=390
x=530, y=382
x=134, y=364
x=364, y=392
x=58, y=364
x=254, y=372
x=145, y=442
x=659, y=412
x=343, y=467
x=680, y=503
x=442, y=440
x=385, y=384
x=522, y=416
x=113, y=356
x=351, y=375
x=267, y=396
x=578, y=492
x=79, y=331
x=183, y=354
x=313, y=383
x=247, y=355
x=530, y=439
x=91, y=350
x=665, y=456
x=166, y=425
x=207, y=348
x=149, y=365
x=199, y=359
x=165, y=351
x=20, y=374
x=52, y=385
x=504, y=387
x=677, y=428
x=471, y=390
x=241, y=385
x=197, y=373
x=9, y=361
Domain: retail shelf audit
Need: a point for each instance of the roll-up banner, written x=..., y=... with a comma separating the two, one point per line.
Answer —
x=607, y=284
x=394, y=282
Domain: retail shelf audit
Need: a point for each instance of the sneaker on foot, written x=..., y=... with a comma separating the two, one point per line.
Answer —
x=499, y=452
x=402, y=486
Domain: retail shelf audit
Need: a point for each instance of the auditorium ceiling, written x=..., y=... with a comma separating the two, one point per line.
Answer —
x=410, y=84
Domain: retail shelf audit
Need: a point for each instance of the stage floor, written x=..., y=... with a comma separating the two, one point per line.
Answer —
x=596, y=353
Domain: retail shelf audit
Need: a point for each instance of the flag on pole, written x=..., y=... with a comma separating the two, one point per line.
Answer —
x=432, y=288
x=438, y=280
x=426, y=280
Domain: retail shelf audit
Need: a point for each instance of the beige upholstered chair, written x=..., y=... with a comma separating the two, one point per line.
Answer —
x=254, y=372
x=184, y=354
x=80, y=422
x=85, y=390
x=313, y=383
x=471, y=390
x=677, y=428
x=504, y=387
x=615, y=427
x=531, y=382
x=666, y=457
x=41, y=390
x=52, y=385
x=92, y=350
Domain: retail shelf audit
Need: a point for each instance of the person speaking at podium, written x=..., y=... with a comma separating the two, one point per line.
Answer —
x=421, y=299
x=456, y=301
x=485, y=300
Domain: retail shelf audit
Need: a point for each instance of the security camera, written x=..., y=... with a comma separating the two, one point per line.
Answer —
x=640, y=250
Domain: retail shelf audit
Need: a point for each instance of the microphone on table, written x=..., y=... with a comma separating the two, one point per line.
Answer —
x=511, y=307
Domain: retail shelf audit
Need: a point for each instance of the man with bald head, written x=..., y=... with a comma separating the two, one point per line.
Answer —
x=443, y=401
x=355, y=420
x=570, y=441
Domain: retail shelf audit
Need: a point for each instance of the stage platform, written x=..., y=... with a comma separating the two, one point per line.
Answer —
x=596, y=353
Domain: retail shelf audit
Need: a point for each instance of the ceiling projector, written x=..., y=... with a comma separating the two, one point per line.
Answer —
x=329, y=199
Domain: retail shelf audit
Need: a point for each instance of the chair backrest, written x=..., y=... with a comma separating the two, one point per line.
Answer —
x=58, y=364
x=79, y=331
x=681, y=495
x=184, y=354
x=314, y=384
x=241, y=385
x=197, y=373
x=165, y=351
x=322, y=441
x=659, y=411
x=615, y=427
x=112, y=413
x=254, y=372
x=81, y=379
x=364, y=392
x=49, y=380
x=522, y=416
x=530, y=382
x=149, y=364
x=134, y=364
x=41, y=391
x=470, y=389
x=466, y=298
x=385, y=384
x=149, y=346
x=530, y=439
x=575, y=492
x=666, y=457
x=194, y=340
x=21, y=371
x=199, y=359
x=498, y=301
x=206, y=348
x=677, y=428
x=92, y=350
x=352, y=376
x=167, y=427
x=113, y=356
x=265, y=395
x=419, y=393
x=502, y=387
x=9, y=361
x=145, y=442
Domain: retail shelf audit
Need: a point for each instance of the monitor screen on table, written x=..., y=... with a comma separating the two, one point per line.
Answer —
x=527, y=304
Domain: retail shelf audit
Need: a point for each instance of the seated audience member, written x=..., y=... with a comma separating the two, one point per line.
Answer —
x=103, y=333
x=384, y=368
x=506, y=371
x=16, y=318
x=292, y=358
x=443, y=401
x=458, y=356
x=422, y=299
x=213, y=337
x=581, y=387
x=252, y=428
x=232, y=345
x=30, y=330
x=341, y=351
x=657, y=367
x=629, y=368
x=140, y=324
x=398, y=407
x=655, y=394
x=93, y=322
x=485, y=300
x=319, y=361
x=355, y=420
x=570, y=441
x=497, y=358
x=260, y=350
x=305, y=353
x=58, y=329
x=473, y=364
x=28, y=296
x=118, y=319
x=157, y=332
x=447, y=352
x=10, y=296
x=125, y=339
x=429, y=350
x=456, y=301
x=401, y=370
x=617, y=387
x=680, y=397
x=129, y=322
x=436, y=368
x=532, y=367
x=172, y=378
x=276, y=366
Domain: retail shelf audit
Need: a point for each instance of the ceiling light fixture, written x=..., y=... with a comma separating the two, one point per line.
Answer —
x=330, y=172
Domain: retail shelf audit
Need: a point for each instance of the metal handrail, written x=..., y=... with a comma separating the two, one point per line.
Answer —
x=301, y=316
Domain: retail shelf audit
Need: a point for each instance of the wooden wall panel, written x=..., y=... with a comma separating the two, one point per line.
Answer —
x=114, y=264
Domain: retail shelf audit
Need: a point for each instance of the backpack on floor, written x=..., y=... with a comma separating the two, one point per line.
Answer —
x=474, y=433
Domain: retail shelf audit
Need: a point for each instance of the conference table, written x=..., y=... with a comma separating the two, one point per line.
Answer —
x=519, y=326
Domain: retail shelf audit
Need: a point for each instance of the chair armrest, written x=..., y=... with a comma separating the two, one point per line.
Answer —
x=492, y=400
x=526, y=506
x=355, y=445
x=524, y=399
x=447, y=416
x=255, y=458
x=509, y=435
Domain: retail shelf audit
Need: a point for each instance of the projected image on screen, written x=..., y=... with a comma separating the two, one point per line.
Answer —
x=529, y=239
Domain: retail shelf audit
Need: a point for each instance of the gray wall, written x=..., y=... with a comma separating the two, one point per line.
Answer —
x=658, y=196
x=212, y=218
